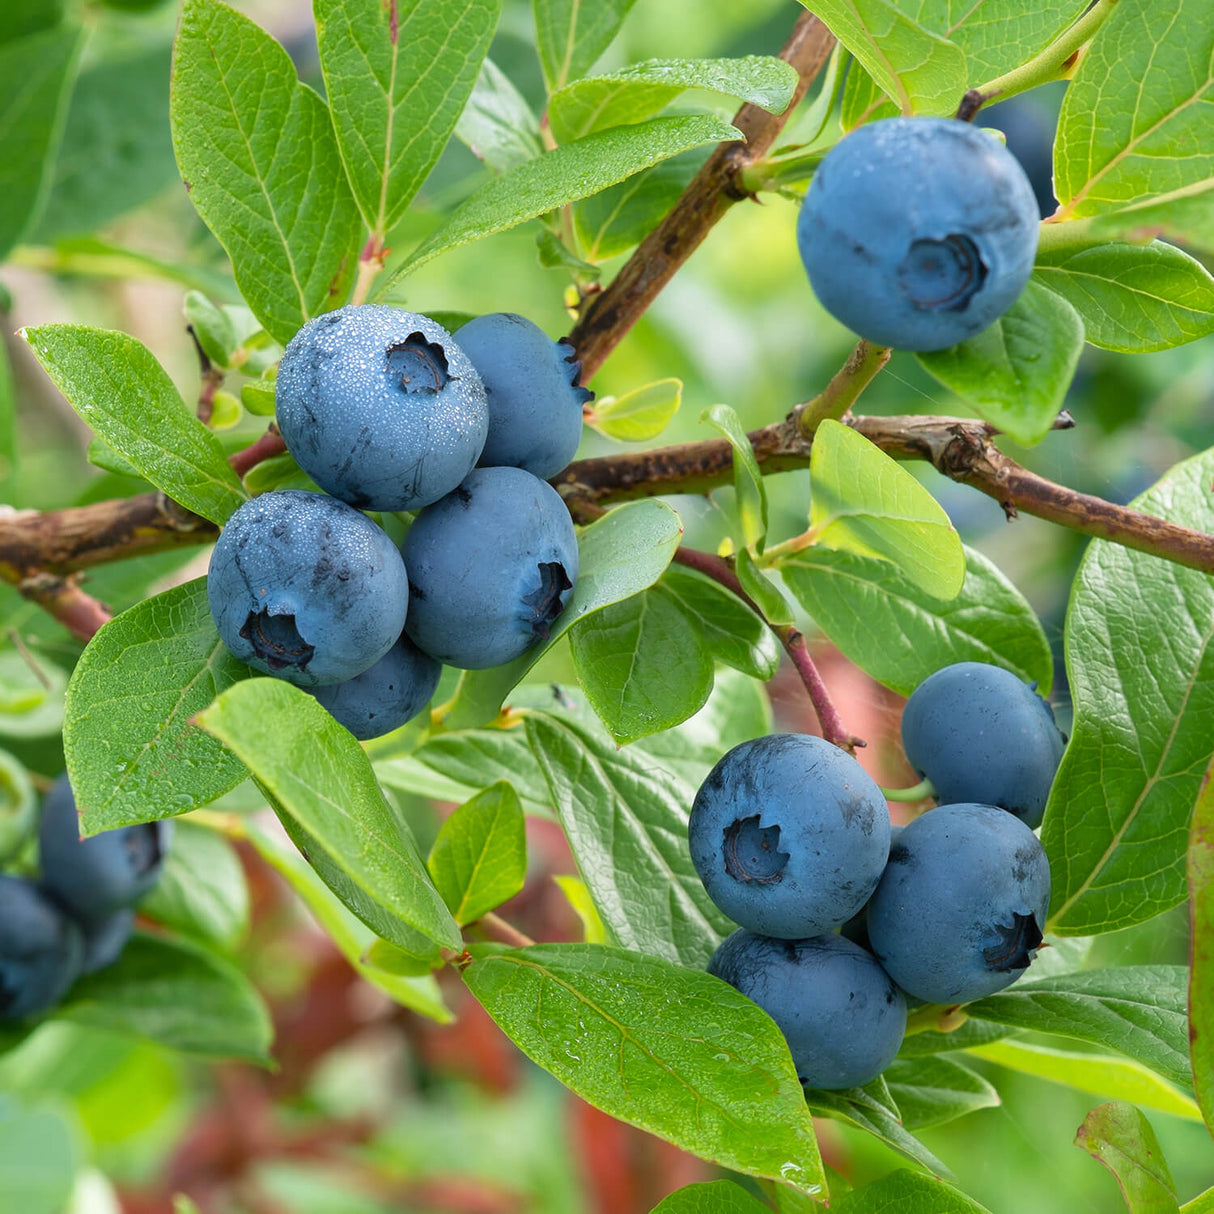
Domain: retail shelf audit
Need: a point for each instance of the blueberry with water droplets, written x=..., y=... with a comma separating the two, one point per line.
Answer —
x=40, y=950
x=380, y=407
x=961, y=905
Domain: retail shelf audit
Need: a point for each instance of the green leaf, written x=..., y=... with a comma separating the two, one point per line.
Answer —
x=674, y=1051
x=932, y=1090
x=1134, y=122
x=564, y=175
x=899, y=635
x=594, y=930
x=640, y=90
x=201, y=891
x=121, y=391
x=321, y=780
x=862, y=501
x=639, y=415
x=906, y=1192
x=1120, y=1137
x=1133, y=297
x=397, y=77
x=31, y=701
x=258, y=154
x=710, y=1197
x=1116, y=826
x=1200, y=867
x=1100, y=1074
x=1138, y=1010
x=131, y=750
x=479, y=859
x=112, y=158
x=8, y=414
x=176, y=994
x=497, y=123
x=627, y=826
x=21, y=17
x=1016, y=373
x=618, y=556
x=767, y=596
x=353, y=939
x=571, y=35
x=35, y=75
x=747, y=479
x=38, y=1159
x=923, y=72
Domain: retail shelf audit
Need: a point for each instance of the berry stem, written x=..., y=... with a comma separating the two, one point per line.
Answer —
x=370, y=262
x=844, y=389
x=917, y=792
x=495, y=927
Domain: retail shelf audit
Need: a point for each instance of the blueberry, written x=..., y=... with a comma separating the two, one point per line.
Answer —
x=789, y=835
x=979, y=734
x=960, y=908
x=380, y=407
x=94, y=877
x=104, y=940
x=535, y=404
x=1030, y=138
x=306, y=588
x=918, y=232
x=387, y=695
x=40, y=950
x=491, y=566
x=841, y=1015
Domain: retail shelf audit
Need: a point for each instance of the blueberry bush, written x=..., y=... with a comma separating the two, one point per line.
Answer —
x=443, y=724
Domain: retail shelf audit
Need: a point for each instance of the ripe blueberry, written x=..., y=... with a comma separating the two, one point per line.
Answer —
x=306, y=588
x=918, y=232
x=961, y=905
x=40, y=950
x=789, y=835
x=105, y=939
x=979, y=734
x=841, y=1015
x=535, y=404
x=380, y=407
x=491, y=566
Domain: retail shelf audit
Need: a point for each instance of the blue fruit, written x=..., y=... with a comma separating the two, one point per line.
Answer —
x=841, y=1015
x=380, y=407
x=979, y=734
x=387, y=695
x=1029, y=131
x=535, y=404
x=961, y=905
x=304, y=587
x=789, y=835
x=94, y=877
x=40, y=950
x=491, y=566
x=105, y=939
x=918, y=232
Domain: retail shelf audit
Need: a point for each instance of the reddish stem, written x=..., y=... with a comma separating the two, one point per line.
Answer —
x=268, y=445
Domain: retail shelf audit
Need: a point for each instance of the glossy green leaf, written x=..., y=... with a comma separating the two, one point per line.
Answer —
x=626, y=823
x=640, y=90
x=748, y=484
x=672, y=1050
x=639, y=415
x=1138, y=1010
x=31, y=701
x=497, y=123
x=479, y=859
x=1133, y=297
x=1016, y=373
x=38, y=1159
x=564, y=175
x=1100, y=1074
x=889, y=627
x=397, y=77
x=594, y=930
x=121, y=391
x=1200, y=867
x=35, y=77
x=132, y=751
x=767, y=596
x=1120, y=1137
x=906, y=1192
x=923, y=72
x=1116, y=827
x=862, y=501
x=387, y=957
x=571, y=35
x=934, y=1089
x=175, y=994
x=711, y=1197
x=201, y=891
x=321, y=781
x=618, y=556
x=257, y=151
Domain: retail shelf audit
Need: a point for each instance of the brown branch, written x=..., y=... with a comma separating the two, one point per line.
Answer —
x=61, y=598
x=610, y=314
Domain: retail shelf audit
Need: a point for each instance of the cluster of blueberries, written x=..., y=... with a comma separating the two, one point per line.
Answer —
x=386, y=411
x=918, y=233
x=843, y=918
x=78, y=917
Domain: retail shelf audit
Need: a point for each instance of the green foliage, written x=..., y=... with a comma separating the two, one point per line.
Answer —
x=713, y=1197
x=907, y=1193
x=1201, y=947
x=38, y=1158
x=570, y=35
x=1121, y=1138
x=639, y=415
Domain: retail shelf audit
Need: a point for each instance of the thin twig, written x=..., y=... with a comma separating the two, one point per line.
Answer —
x=496, y=928
x=845, y=388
